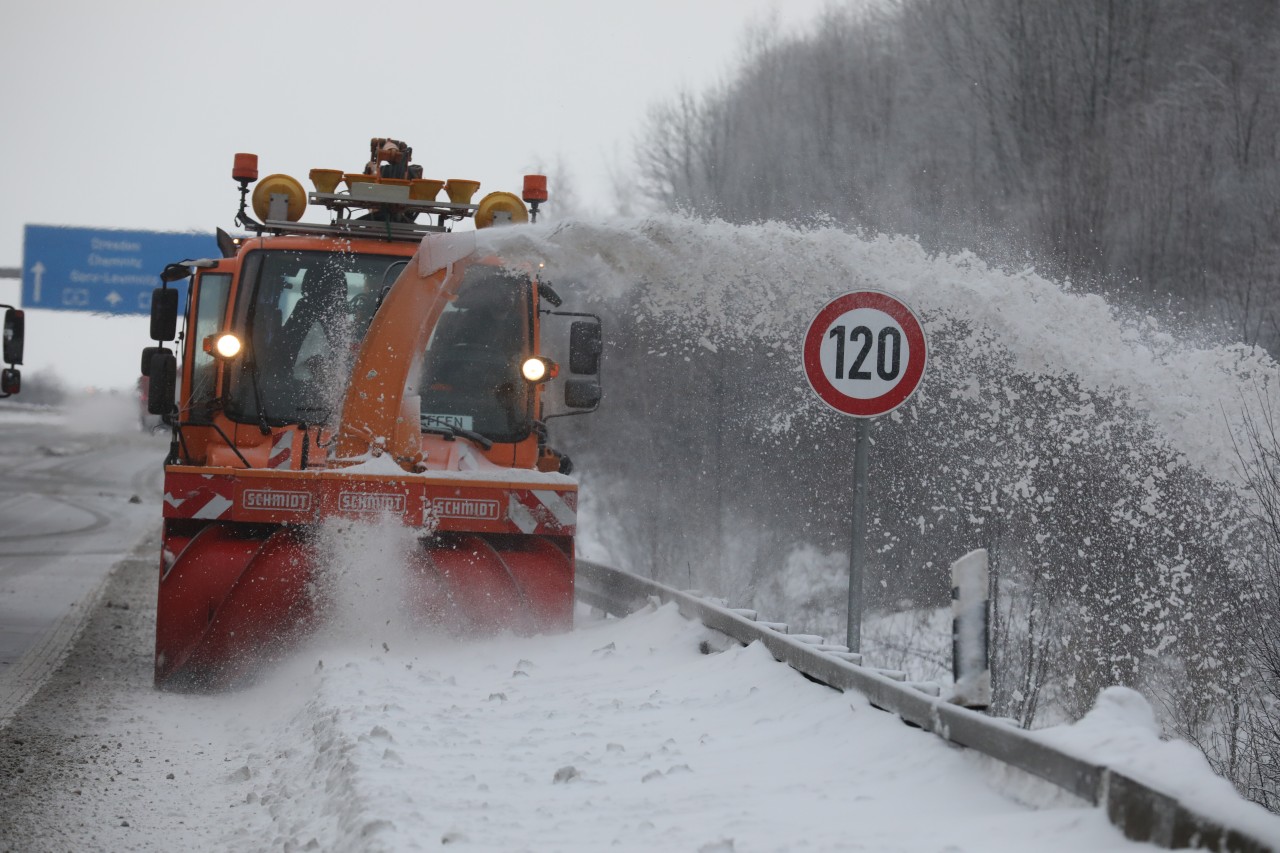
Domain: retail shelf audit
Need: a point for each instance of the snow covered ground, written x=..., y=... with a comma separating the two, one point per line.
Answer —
x=620, y=735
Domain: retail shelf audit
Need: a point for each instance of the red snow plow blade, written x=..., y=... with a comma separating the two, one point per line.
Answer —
x=245, y=574
x=238, y=599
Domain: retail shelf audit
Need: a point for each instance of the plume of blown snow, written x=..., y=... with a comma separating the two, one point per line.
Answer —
x=364, y=582
x=765, y=282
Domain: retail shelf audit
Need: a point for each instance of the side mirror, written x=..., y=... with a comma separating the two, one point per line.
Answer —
x=547, y=292
x=14, y=331
x=147, y=354
x=585, y=346
x=164, y=313
x=10, y=381
x=176, y=272
x=229, y=246
x=163, y=376
x=581, y=393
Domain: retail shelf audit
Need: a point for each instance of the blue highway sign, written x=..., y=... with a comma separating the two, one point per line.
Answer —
x=100, y=270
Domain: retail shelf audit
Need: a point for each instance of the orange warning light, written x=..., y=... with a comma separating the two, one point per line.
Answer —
x=535, y=188
x=245, y=168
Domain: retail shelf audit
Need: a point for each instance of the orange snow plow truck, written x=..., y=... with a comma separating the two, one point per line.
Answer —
x=374, y=366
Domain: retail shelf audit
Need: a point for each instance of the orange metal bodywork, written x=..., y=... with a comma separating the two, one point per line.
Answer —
x=242, y=555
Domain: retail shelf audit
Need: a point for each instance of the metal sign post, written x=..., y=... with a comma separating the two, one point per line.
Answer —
x=864, y=355
x=858, y=545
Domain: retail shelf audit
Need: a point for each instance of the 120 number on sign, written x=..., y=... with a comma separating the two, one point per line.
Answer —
x=864, y=353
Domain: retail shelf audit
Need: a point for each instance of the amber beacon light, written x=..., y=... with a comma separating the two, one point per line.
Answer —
x=535, y=193
x=245, y=168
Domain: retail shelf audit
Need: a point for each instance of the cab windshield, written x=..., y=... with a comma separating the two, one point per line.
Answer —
x=470, y=377
x=304, y=315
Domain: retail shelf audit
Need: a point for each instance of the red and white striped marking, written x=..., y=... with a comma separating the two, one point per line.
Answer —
x=281, y=451
x=210, y=499
x=544, y=510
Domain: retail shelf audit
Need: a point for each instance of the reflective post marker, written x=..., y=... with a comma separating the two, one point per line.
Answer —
x=970, y=631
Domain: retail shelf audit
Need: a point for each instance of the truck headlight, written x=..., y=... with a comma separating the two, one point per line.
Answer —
x=538, y=369
x=227, y=346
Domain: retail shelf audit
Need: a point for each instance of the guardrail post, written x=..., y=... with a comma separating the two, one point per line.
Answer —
x=970, y=660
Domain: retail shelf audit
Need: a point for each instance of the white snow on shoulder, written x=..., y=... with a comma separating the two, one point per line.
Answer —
x=1121, y=732
x=620, y=735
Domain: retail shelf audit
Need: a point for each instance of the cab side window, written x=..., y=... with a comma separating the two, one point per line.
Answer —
x=211, y=307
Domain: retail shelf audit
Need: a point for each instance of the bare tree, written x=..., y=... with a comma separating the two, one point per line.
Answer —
x=1132, y=145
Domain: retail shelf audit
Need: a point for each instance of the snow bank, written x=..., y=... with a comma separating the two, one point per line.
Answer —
x=1121, y=732
x=618, y=736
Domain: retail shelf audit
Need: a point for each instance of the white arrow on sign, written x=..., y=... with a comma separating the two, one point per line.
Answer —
x=37, y=272
x=113, y=298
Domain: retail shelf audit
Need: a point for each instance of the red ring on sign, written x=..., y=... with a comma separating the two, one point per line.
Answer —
x=891, y=399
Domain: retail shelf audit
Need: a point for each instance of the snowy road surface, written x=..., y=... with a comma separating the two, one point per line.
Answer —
x=620, y=735
x=66, y=482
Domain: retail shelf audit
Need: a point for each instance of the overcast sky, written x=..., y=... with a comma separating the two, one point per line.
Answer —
x=127, y=114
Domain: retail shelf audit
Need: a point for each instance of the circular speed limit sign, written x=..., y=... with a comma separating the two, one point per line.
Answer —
x=864, y=353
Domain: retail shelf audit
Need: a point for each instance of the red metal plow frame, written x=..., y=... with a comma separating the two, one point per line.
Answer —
x=238, y=575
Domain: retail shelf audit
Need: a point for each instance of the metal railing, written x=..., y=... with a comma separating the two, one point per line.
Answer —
x=1142, y=812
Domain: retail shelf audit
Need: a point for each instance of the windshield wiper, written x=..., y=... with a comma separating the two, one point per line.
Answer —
x=439, y=426
x=263, y=427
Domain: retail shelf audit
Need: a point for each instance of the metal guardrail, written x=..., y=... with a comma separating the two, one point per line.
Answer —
x=1141, y=812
